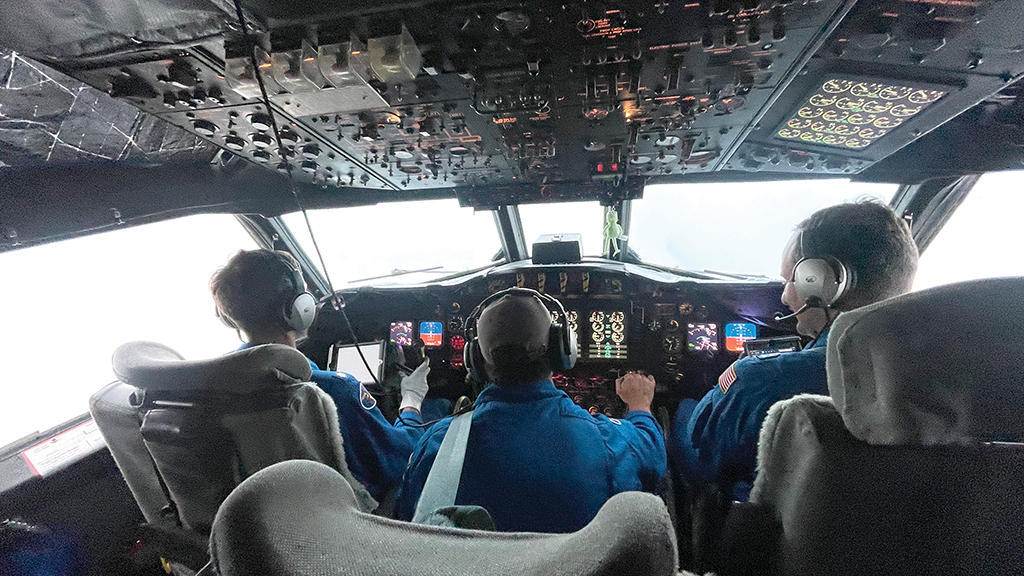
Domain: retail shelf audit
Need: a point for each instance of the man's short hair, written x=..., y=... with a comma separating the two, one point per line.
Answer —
x=513, y=335
x=251, y=289
x=868, y=237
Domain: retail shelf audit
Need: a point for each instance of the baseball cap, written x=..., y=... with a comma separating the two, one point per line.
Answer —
x=514, y=321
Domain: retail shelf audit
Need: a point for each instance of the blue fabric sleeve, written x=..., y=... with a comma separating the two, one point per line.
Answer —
x=636, y=446
x=377, y=450
x=718, y=437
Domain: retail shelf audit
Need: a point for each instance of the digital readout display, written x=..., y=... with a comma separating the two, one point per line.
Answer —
x=853, y=115
x=401, y=333
x=431, y=333
x=702, y=337
x=607, y=335
x=736, y=333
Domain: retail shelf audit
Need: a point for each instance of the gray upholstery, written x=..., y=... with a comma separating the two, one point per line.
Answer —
x=932, y=367
x=894, y=473
x=118, y=422
x=180, y=438
x=847, y=507
x=156, y=367
x=300, y=518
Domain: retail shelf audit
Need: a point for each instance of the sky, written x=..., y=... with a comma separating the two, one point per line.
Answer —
x=69, y=305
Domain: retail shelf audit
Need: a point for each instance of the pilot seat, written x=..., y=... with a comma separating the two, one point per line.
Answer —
x=185, y=433
x=914, y=464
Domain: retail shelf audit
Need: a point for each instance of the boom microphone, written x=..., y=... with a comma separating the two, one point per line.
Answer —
x=812, y=302
x=779, y=317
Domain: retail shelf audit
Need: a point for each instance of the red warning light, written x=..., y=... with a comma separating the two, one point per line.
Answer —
x=615, y=166
x=458, y=342
x=600, y=167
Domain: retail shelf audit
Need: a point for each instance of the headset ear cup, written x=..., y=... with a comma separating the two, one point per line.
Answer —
x=225, y=319
x=819, y=280
x=475, y=362
x=301, y=312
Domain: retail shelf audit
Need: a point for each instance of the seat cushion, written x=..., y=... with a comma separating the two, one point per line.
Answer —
x=300, y=517
x=939, y=366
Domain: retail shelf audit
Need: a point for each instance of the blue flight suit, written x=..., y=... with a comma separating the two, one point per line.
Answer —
x=715, y=440
x=376, y=450
x=538, y=462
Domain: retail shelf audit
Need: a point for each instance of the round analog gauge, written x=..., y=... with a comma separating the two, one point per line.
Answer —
x=672, y=344
x=618, y=327
x=834, y=116
x=597, y=337
x=895, y=92
x=862, y=119
x=808, y=112
x=821, y=100
x=597, y=316
x=886, y=122
x=597, y=327
x=837, y=86
x=801, y=123
x=617, y=317
x=865, y=89
x=850, y=103
x=618, y=337
x=876, y=107
x=925, y=96
x=902, y=111
x=654, y=325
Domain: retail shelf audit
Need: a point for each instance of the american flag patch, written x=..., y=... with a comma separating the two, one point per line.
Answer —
x=727, y=378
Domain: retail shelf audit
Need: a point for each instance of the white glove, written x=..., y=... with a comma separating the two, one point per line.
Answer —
x=414, y=387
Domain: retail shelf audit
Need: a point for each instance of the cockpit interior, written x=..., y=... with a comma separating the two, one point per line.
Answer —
x=287, y=118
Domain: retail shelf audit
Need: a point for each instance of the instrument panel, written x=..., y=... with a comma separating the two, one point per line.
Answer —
x=683, y=332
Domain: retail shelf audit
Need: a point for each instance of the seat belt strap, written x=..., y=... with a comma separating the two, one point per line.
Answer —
x=442, y=485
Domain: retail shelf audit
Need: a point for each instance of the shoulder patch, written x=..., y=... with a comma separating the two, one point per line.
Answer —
x=727, y=378
x=366, y=400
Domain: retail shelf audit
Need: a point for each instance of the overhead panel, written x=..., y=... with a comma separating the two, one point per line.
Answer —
x=560, y=100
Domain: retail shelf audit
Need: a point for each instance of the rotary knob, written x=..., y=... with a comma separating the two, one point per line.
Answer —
x=204, y=127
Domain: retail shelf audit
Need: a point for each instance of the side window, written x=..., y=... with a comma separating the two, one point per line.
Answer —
x=982, y=238
x=67, y=306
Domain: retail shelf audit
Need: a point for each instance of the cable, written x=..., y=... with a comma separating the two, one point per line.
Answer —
x=336, y=300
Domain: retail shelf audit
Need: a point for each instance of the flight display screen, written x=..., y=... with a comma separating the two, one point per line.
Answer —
x=432, y=333
x=702, y=337
x=607, y=335
x=736, y=333
x=401, y=333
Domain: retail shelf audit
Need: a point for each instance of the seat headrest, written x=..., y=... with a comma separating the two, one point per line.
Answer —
x=299, y=517
x=939, y=366
x=155, y=367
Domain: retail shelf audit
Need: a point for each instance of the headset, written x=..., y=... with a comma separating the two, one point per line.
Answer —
x=561, y=351
x=821, y=281
x=298, y=308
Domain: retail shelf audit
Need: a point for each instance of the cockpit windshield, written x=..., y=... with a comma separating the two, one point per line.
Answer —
x=400, y=242
x=738, y=228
